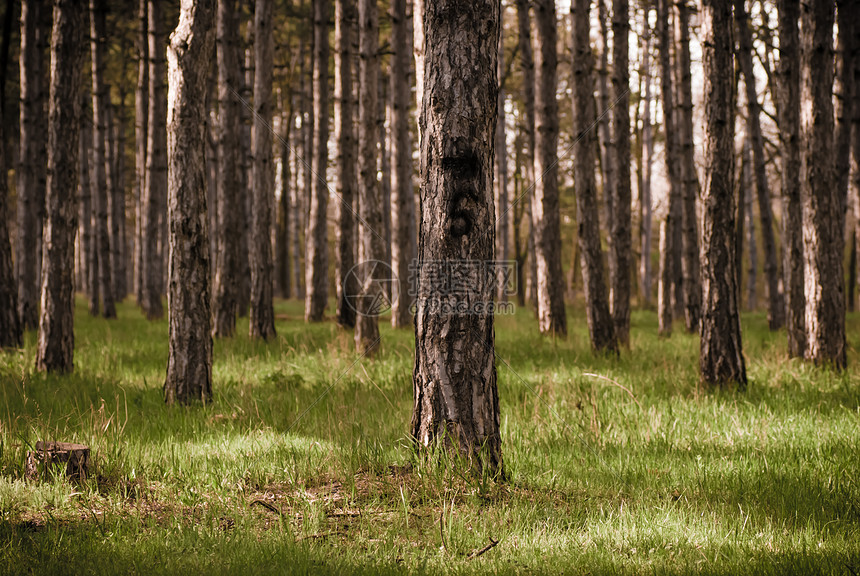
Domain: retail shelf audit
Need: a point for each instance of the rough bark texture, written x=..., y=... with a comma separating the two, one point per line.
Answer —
x=825, y=304
x=721, y=358
x=545, y=210
x=189, y=363
x=600, y=325
x=370, y=241
x=344, y=128
x=316, y=274
x=99, y=177
x=30, y=176
x=229, y=191
x=141, y=135
x=647, y=161
x=456, y=401
x=55, y=350
x=619, y=277
x=670, y=221
x=789, y=126
x=775, y=303
x=403, y=236
x=689, y=181
x=156, y=168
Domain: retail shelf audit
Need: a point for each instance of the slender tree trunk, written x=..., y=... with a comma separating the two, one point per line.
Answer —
x=825, y=304
x=647, y=161
x=456, y=402
x=607, y=157
x=371, y=243
x=545, y=210
x=119, y=242
x=89, y=277
x=775, y=303
x=299, y=184
x=284, y=209
x=229, y=191
x=789, y=125
x=619, y=278
x=748, y=225
x=344, y=127
x=30, y=176
x=847, y=14
x=418, y=52
x=262, y=316
x=189, y=362
x=403, y=244
x=855, y=150
x=141, y=137
x=600, y=325
x=383, y=103
x=689, y=180
x=246, y=172
x=55, y=349
x=501, y=177
x=721, y=359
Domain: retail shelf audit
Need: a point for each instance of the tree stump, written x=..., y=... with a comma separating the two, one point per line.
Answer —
x=74, y=457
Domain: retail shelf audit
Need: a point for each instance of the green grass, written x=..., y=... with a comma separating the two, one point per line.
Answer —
x=673, y=479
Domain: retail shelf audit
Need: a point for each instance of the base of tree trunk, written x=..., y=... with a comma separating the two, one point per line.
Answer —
x=74, y=457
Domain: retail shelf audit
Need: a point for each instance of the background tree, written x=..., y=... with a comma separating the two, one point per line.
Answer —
x=141, y=137
x=456, y=400
x=189, y=362
x=503, y=216
x=55, y=351
x=647, y=161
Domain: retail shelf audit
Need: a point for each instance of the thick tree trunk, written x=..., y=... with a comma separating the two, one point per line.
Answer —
x=647, y=161
x=825, y=304
x=189, y=363
x=141, y=137
x=317, y=238
x=229, y=191
x=456, y=401
x=156, y=168
x=344, y=127
x=30, y=176
x=55, y=350
x=855, y=150
x=689, y=180
x=775, y=303
x=10, y=326
x=99, y=178
x=371, y=247
x=545, y=210
x=789, y=125
x=403, y=237
x=721, y=359
x=600, y=325
x=501, y=178
x=621, y=247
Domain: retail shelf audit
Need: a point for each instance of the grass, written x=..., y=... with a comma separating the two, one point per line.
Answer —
x=301, y=464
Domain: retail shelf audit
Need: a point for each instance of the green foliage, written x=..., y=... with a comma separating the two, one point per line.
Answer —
x=302, y=464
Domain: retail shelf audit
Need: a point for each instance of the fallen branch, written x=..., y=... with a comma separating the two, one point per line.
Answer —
x=267, y=506
x=602, y=377
x=488, y=547
x=442, y=528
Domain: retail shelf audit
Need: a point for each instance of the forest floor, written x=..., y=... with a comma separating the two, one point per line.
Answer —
x=302, y=462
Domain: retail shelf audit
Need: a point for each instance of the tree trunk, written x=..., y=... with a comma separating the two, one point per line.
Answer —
x=418, y=51
x=403, y=238
x=371, y=247
x=689, y=180
x=141, y=137
x=847, y=14
x=825, y=304
x=383, y=103
x=775, y=303
x=501, y=177
x=855, y=149
x=456, y=401
x=545, y=210
x=10, y=326
x=119, y=242
x=55, y=350
x=262, y=315
x=606, y=158
x=89, y=269
x=299, y=184
x=344, y=127
x=189, y=363
x=600, y=325
x=246, y=175
x=748, y=225
x=30, y=176
x=156, y=167
x=647, y=161
x=229, y=191
x=721, y=359
x=621, y=247
x=317, y=250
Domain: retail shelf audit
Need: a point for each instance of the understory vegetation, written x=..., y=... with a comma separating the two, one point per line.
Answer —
x=302, y=464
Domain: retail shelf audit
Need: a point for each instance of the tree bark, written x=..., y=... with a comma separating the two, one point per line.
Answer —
x=299, y=189
x=189, y=363
x=403, y=237
x=847, y=14
x=619, y=278
x=119, y=243
x=89, y=268
x=721, y=358
x=317, y=250
x=501, y=177
x=371, y=246
x=246, y=171
x=229, y=191
x=284, y=209
x=647, y=161
x=344, y=127
x=10, y=326
x=600, y=325
x=747, y=225
x=30, y=176
x=855, y=150
x=825, y=304
x=545, y=210
x=775, y=303
x=456, y=401
x=141, y=137
x=55, y=350
x=606, y=158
